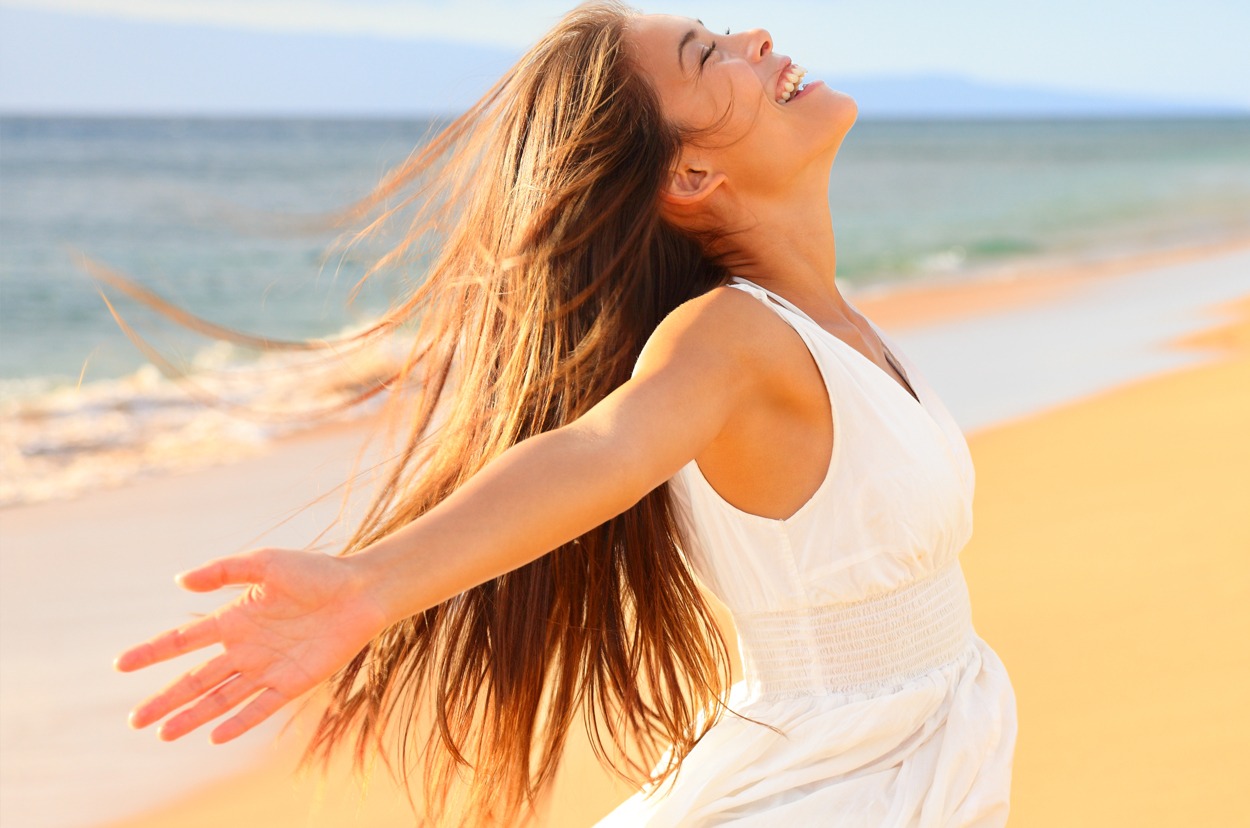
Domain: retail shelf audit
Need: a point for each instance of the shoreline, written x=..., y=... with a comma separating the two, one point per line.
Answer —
x=926, y=301
x=898, y=305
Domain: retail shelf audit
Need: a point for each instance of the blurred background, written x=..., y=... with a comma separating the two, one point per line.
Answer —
x=192, y=144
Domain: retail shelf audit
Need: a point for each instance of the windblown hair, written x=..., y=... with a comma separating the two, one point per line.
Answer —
x=551, y=266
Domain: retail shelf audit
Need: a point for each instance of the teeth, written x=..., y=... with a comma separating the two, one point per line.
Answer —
x=790, y=81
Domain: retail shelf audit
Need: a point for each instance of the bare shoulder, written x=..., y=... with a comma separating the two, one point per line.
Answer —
x=729, y=331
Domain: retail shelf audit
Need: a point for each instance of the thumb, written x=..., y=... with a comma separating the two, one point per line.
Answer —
x=245, y=568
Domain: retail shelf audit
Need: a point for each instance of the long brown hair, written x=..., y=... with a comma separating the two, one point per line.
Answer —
x=551, y=266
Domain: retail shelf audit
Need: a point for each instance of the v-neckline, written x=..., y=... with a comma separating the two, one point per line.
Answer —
x=907, y=387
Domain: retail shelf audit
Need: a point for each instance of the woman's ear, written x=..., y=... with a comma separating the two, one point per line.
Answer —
x=688, y=186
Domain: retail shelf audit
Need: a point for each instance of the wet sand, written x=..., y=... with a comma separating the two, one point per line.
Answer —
x=1107, y=569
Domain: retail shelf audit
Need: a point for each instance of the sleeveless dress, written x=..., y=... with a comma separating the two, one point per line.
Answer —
x=854, y=629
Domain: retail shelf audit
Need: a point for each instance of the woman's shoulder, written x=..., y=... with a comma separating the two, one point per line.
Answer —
x=724, y=316
x=729, y=328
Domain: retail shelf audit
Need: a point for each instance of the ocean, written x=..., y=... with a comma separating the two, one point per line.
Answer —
x=214, y=214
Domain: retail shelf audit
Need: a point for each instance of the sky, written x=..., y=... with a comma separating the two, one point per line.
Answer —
x=1160, y=49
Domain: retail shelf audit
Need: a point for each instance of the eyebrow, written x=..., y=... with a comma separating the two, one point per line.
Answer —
x=681, y=47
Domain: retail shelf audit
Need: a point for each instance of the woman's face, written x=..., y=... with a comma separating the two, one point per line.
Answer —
x=734, y=85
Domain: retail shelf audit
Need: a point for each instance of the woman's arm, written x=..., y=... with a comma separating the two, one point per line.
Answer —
x=304, y=615
x=695, y=372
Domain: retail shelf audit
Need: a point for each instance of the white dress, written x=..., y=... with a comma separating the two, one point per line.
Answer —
x=854, y=628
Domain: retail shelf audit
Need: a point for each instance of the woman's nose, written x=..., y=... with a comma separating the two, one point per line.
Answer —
x=759, y=43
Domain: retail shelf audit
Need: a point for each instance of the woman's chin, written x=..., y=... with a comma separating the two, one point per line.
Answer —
x=839, y=109
x=852, y=105
x=843, y=112
x=848, y=108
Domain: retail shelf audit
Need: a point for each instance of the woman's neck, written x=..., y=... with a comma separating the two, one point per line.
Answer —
x=787, y=245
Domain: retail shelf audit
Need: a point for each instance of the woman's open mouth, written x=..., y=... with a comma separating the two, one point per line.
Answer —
x=788, y=84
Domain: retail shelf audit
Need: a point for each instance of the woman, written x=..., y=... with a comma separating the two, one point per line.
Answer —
x=641, y=359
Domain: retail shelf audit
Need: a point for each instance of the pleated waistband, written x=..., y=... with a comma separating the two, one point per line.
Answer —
x=856, y=647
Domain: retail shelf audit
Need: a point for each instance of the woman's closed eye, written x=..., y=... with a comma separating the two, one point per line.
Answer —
x=707, y=53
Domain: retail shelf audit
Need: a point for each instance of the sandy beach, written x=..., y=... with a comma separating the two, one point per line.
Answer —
x=1107, y=570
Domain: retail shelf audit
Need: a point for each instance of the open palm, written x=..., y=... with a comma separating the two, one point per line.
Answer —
x=302, y=616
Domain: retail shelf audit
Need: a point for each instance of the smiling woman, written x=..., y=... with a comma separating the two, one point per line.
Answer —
x=738, y=97
x=645, y=377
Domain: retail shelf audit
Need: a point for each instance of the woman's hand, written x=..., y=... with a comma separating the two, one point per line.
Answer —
x=302, y=616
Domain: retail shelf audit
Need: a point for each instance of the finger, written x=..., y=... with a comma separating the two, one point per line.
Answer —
x=247, y=568
x=172, y=643
x=257, y=710
x=220, y=700
x=190, y=686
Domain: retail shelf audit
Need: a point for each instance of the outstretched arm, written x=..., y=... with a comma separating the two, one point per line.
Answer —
x=305, y=615
x=695, y=372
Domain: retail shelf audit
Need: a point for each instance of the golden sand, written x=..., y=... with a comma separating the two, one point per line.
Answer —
x=1109, y=571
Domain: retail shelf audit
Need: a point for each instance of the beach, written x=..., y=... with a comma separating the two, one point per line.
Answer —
x=1106, y=410
x=1109, y=568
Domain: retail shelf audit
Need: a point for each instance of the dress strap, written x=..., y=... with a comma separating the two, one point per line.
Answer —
x=738, y=281
x=781, y=300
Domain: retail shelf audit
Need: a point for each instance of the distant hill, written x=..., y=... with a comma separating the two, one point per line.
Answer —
x=54, y=63
x=950, y=96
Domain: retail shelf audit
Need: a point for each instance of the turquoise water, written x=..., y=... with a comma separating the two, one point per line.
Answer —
x=206, y=211
x=914, y=197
